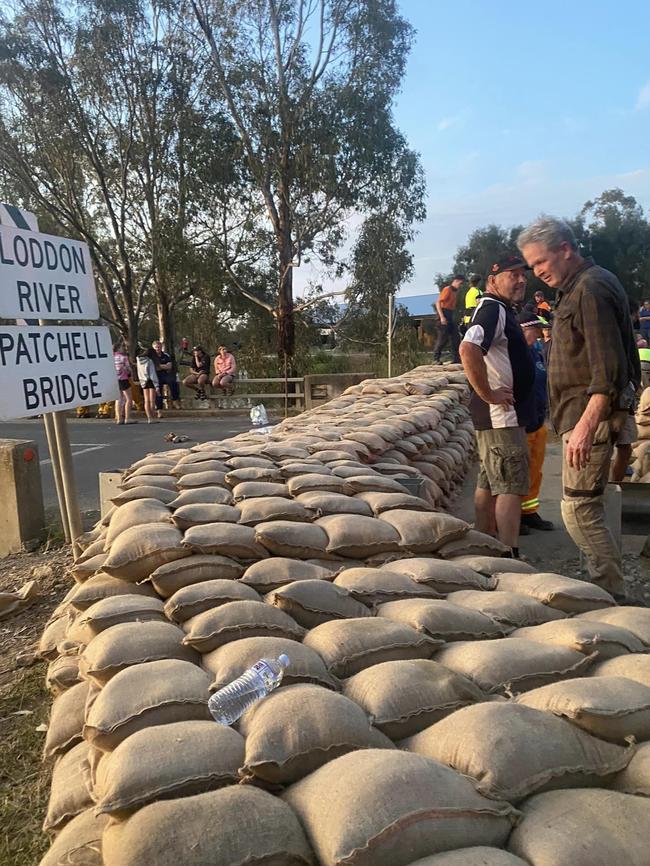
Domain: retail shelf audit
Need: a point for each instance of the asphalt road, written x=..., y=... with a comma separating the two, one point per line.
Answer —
x=103, y=446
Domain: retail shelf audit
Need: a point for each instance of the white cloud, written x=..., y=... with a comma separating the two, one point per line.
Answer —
x=448, y=122
x=643, y=99
x=532, y=171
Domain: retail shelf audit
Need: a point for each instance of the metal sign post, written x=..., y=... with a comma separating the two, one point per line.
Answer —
x=48, y=369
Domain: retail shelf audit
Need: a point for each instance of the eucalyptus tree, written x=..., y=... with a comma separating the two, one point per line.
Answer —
x=309, y=86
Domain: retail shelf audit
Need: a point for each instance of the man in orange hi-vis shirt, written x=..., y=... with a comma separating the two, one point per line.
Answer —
x=446, y=307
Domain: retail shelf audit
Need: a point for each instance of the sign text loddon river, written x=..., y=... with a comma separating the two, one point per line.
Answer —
x=45, y=277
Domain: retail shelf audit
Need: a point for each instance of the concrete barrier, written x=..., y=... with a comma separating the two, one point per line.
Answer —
x=319, y=388
x=22, y=517
x=108, y=486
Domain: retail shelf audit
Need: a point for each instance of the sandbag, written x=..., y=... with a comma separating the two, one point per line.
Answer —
x=374, y=483
x=140, y=550
x=480, y=741
x=294, y=540
x=473, y=542
x=253, y=473
x=608, y=641
x=256, y=489
x=62, y=674
x=112, y=611
x=322, y=503
x=443, y=620
x=79, y=843
x=205, y=478
x=104, y=586
x=207, y=495
x=491, y=565
x=166, y=482
x=404, y=807
x=358, y=536
x=181, y=469
x=507, y=607
x=168, y=761
x=199, y=597
x=173, y=576
x=296, y=730
x=266, y=508
x=154, y=693
x=321, y=483
x=445, y=577
x=634, y=666
x=589, y=828
x=66, y=721
x=238, y=619
x=563, y=593
x=612, y=708
x=377, y=585
x=135, y=513
x=405, y=697
x=132, y=643
x=204, y=512
x=231, y=660
x=634, y=619
x=53, y=634
x=69, y=795
x=476, y=856
x=277, y=571
x=81, y=571
x=235, y=826
x=424, y=532
x=512, y=664
x=635, y=778
x=148, y=491
x=312, y=602
x=350, y=645
x=225, y=539
x=380, y=502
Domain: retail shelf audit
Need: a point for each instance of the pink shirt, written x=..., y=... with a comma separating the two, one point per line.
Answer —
x=225, y=365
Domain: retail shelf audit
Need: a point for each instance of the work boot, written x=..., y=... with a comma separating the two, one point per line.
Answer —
x=523, y=529
x=534, y=521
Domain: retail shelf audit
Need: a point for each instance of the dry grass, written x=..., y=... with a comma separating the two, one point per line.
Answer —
x=24, y=779
x=24, y=705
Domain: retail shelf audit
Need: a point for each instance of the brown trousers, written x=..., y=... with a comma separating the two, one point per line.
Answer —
x=583, y=506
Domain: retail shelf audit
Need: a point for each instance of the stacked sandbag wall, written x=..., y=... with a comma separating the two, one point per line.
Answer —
x=641, y=448
x=442, y=703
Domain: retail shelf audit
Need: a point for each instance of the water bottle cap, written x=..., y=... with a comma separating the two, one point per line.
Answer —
x=284, y=660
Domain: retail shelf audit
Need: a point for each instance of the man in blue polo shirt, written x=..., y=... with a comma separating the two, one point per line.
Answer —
x=501, y=372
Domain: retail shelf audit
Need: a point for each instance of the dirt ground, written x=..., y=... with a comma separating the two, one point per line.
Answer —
x=25, y=704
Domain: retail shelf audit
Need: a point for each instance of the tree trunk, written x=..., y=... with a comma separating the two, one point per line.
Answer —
x=165, y=322
x=286, y=331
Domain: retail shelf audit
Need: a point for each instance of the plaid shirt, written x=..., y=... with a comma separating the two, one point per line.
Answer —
x=593, y=349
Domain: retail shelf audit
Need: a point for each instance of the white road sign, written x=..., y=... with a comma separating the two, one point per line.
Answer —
x=45, y=277
x=49, y=369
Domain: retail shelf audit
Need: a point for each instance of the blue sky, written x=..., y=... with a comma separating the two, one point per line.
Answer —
x=517, y=108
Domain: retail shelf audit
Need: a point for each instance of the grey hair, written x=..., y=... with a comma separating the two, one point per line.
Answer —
x=549, y=231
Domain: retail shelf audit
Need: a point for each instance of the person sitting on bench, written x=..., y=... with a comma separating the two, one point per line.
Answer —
x=199, y=372
x=225, y=368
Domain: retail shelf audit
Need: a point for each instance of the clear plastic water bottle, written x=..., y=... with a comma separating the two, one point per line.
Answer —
x=231, y=702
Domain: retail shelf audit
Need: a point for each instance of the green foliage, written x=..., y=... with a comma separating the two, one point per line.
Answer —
x=315, y=126
x=380, y=264
x=483, y=246
x=614, y=230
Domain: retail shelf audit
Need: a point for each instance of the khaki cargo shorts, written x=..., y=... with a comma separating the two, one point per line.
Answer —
x=503, y=455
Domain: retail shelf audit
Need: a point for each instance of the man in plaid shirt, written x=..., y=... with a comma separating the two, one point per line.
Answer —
x=593, y=375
